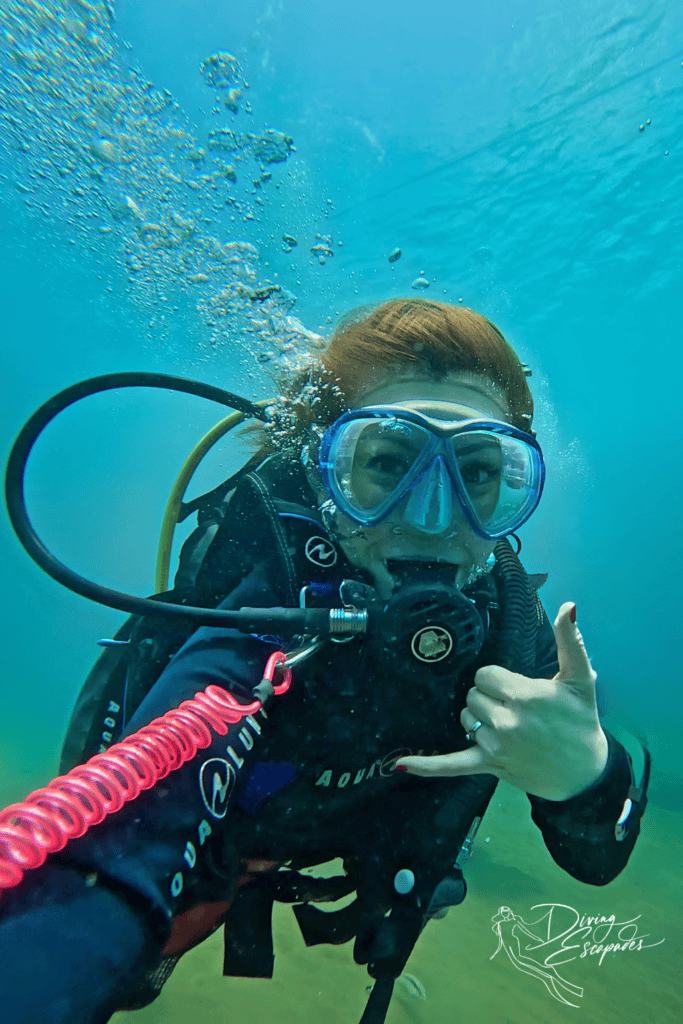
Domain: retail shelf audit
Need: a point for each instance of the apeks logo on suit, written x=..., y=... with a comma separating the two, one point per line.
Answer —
x=431, y=643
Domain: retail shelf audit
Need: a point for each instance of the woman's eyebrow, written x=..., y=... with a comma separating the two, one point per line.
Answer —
x=478, y=446
x=379, y=431
x=397, y=442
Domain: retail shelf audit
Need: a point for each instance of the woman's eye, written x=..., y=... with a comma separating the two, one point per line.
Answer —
x=477, y=474
x=388, y=464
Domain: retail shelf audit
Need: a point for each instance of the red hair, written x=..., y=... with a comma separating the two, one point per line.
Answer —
x=433, y=337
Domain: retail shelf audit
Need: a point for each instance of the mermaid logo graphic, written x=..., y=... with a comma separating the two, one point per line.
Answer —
x=559, y=935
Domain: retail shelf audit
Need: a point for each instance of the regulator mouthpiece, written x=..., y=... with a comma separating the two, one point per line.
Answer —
x=428, y=627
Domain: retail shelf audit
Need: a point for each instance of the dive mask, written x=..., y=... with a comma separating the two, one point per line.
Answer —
x=373, y=459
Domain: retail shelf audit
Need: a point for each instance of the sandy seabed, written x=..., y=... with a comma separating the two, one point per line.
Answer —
x=452, y=959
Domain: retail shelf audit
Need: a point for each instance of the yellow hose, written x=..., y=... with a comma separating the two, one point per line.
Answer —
x=173, y=506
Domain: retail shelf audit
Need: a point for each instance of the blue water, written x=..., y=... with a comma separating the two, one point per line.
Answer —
x=498, y=145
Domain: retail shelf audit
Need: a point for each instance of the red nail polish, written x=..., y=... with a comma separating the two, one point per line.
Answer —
x=572, y=614
x=401, y=768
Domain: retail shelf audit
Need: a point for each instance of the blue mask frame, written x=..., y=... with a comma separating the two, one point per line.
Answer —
x=430, y=507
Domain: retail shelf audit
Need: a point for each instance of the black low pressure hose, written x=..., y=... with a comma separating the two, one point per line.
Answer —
x=249, y=620
x=519, y=622
x=378, y=1003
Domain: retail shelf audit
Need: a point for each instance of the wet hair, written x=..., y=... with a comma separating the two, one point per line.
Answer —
x=433, y=338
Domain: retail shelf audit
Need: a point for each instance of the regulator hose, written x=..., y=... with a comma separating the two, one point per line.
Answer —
x=519, y=624
x=247, y=620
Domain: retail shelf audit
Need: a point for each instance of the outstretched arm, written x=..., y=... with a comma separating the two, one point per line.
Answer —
x=79, y=934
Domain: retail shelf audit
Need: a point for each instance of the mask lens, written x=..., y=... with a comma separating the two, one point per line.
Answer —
x=370, y=460
x=499, y=476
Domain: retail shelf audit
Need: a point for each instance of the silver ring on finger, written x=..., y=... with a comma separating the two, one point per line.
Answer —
x=469, y=735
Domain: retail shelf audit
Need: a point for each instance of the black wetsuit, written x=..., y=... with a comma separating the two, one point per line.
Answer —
x=309, y=780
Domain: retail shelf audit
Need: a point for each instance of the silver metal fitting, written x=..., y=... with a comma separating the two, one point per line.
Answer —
x=345, y=620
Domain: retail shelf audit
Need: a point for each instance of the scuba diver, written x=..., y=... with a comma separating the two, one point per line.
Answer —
x=371, y=659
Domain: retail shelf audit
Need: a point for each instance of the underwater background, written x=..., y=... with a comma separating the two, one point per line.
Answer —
x=203, y=189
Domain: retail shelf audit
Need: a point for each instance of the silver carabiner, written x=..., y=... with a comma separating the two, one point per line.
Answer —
x=295, y=657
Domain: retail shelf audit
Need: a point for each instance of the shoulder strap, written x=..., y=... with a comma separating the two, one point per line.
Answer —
x=269, y=520
x=266, y=520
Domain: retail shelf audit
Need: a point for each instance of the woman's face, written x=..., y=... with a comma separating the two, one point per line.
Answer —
x=387, y=550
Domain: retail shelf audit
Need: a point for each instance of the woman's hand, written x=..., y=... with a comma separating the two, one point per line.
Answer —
x=541, y=735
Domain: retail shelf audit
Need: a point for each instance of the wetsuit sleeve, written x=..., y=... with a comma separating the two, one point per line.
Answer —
x=583, y=834
x=78, y=934
x=69, y=952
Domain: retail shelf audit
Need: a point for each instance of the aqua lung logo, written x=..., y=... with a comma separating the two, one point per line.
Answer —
x=384, y=767
x=319, y=551
x=216, y=779
x=431, y=643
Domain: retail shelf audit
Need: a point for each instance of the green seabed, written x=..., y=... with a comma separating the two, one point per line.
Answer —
x=452, y=959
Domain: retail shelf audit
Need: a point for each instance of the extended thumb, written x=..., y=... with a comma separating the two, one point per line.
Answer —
x=574, y=661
